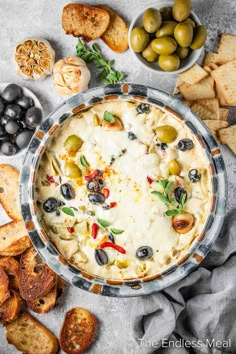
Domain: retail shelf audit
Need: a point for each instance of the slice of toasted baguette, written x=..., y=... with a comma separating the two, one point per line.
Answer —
x=84, y=21
x=30, y=336
x=4, y=285
x=12, y=268
x=9, y=185
x=78, y=331
x=10, y=309
x=36, y=279
x=44, y=303
x=13, y=238
x=116, y=35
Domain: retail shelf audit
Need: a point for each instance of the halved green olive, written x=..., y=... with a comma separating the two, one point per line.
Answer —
x=183, y=34
x=166, y=133
x=166, y=29
x=181, y=10
x=149, y=54
x=174, y=167
x=72, y=171
x=182, y=52
x=164, y=45
x=72, y=144
x=139, y=39
x=199, y=37
x=169, y=62
x=151, y=20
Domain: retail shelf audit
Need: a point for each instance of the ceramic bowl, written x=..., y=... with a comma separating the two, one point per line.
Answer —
x=154, y=67
x=201, y=245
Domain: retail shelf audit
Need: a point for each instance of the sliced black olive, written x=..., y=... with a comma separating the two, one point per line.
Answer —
x=2, y=106
x=194, y=175
x=163, y=146
x=143, y=108
x=132, y=136
x=33, y=117
x=179, y=192
x=50, y=205
x=96, y=198
x=11, y=92
x=101, y=257
x=111, y=237
x=13, y=111
x=25, y=102
x=12, y=127
x=95, y=185
x=185, y=144
x=67, y=191
x=61, y=203
x=8, y=148
x=144, y=253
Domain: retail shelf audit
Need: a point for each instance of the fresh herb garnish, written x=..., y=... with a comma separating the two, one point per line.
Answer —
x=164, y=196
x=83, y=161
x=68, y=211
x=179, y=208
x=103, y=223
x=109, y=117
x=117, y=231
x=108, y=75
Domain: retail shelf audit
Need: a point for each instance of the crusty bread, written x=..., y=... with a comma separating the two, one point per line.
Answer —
x=4, y=285
x=78, y=331
x=12, y=268
x=116, y=35
x=84, y=21
x=9, y=185
x=44, y=303
x=36, y=279
x=30, y=336
x=13, y=238
x=10, y=309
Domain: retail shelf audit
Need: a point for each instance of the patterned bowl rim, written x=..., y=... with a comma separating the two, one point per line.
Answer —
x=200, y=247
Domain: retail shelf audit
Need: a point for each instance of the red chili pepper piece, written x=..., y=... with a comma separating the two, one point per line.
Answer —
x=113, y=204
x=50, y=179
x=92, y=175
x=113, y=245
x=70, y=230
x=105, y=192
x=94, y=230
x=150, y=180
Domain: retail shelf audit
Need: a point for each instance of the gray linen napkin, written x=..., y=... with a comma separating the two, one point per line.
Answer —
x=199, y=310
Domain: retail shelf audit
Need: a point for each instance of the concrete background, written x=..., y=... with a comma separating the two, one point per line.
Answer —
x=29, y=18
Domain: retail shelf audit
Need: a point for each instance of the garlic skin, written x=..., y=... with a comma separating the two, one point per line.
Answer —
x=70, y=76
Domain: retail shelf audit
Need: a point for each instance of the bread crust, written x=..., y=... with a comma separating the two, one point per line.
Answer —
x=10, y=309
x=12, y=267
x=4, y=285
x=44, y=303
x=16, y=241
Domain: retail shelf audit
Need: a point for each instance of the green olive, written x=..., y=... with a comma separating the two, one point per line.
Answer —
x=166, y=29
x=151, y=20
x=72, y=171
x=169, y=62
x=183, y=34
x=166, y=13
x=199, y=37
x=139, y=39
x=164, y=45
x=166, y=133
x=182, y=52
x=189, y=20
x=181, y=10
x=149, y=54
x=72, y=144
x=174, y=167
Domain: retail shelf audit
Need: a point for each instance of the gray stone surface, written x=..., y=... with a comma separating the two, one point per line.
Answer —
x=20, y=19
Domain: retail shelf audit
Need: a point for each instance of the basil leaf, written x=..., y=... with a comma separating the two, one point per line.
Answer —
x=103, y=223
x=172, y=212
x=109, y=117
x=117, y=231
x=68, y=211
x=83, y=161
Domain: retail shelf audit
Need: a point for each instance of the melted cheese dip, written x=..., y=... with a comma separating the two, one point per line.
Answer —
x=131, y=208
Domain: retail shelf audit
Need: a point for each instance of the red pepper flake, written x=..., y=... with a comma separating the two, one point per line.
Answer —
x=92, y=175
x=113, y=245
x=113, y=204
x=105, y=192
x=70, y=230
x=94, y=230
x=150, y=180
x=50, y=179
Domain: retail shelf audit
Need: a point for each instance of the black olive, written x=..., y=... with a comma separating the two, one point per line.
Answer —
x=185, y=144
x=8, y=148
x=111, y=237
x=13, y=111
x=11, y=92
x=143, y=253
x=4, y=119
x=67, y=191
x=132, y=136
x=23, y=139
x=58, y=213
x=50, y=205
x=179, y=192
x=194, y=175
x=33, y=117
x=95, y=185
x=25, y=102
x=96, y=198
x=12, y=127
x=143, y=108
x=2, y=106
x=4, y=138
x=2, y=131
x=60, y=203
x=100, y=256
x=163, y=146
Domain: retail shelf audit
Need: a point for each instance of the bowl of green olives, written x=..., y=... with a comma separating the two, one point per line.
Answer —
x=20, y=115
x=167, y=38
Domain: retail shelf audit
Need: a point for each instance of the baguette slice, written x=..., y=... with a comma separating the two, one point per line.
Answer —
x=84, y=21
x=116, y=35
x=12, y=268
x=13, y=238
x=30, y=336
x=78, y=331
x=44, y=303
x=4, y=284
x=10, y=309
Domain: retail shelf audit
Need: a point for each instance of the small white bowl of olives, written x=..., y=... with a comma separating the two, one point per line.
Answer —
x=20, y=114
x=168, y=37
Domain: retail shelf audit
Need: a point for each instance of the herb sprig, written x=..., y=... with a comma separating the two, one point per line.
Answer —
x=179, y=209
x=108, y=75
x=164, y=196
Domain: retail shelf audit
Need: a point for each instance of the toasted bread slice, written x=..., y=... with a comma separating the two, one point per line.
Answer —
x=84, y=21
x=4, y=285
x=36, y=279
x=12, y=268
x=17, y=247
x=9, y=185
x=116, y=35
x=30, y=336
x=10, y=309
x=78, y=331
x=11, y=237
x=60, y=287
x=44, y=303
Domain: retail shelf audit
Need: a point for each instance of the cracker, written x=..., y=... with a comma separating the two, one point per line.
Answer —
x=224, y=113
x=202, y=111
x=225, y=78
x=213, y=105
x=220, y=96
x=203, y=89
x=228, y=136
x=227, y=48
x=187, y=102
x=215, y=126
x=210, y=57
x=193, y=75
x=176, y=89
